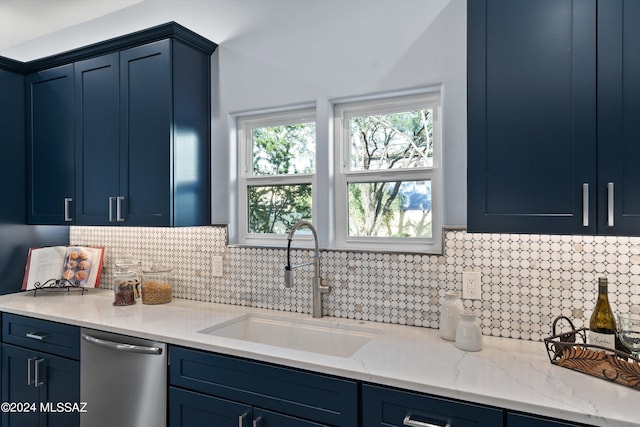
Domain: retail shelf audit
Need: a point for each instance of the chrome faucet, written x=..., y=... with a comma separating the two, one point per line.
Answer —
x=317, y=288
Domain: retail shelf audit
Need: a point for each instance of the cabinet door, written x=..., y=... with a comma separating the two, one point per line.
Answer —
x=97, y=143
x=58, y=382
x=145, y=125
x=264, y=418
x=190, y=409
x=17, y=371
x=61, y=378
x=383, y=407
x=618, y=112
x=50, y=146
x=531, y=116
x=519, y=420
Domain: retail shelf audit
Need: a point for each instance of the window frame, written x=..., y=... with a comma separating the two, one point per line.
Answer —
x=343, y=111
x=329, y=186
x=246, y=178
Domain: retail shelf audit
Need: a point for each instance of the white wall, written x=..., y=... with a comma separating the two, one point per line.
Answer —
x=331, y=49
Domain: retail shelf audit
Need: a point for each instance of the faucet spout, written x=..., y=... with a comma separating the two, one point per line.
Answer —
x=317, y=288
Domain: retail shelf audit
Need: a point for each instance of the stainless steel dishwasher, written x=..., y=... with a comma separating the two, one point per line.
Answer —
x=123, y=380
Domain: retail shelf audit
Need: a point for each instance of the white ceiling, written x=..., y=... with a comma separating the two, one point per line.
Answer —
x=25, y=20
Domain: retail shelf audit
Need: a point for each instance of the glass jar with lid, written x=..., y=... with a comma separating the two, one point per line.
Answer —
x=134, y=266
x=157, y=285
x=124, y=283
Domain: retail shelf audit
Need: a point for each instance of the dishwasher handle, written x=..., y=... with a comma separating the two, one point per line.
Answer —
x=122, y=346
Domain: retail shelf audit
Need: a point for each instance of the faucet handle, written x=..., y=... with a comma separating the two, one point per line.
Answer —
x=289, y=276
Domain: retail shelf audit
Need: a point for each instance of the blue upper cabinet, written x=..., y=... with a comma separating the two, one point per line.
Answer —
x=618, y=112
x=96, y=127
x=135, y=139
x=50, y=146
x=552, y=101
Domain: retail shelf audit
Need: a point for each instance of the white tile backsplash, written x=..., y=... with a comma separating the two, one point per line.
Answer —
x=527, y=280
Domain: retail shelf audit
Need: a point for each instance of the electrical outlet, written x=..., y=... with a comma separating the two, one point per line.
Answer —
x=216, y=266
x=471, y=285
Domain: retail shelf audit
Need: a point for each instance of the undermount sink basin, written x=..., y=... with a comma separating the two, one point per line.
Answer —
x=316, y=336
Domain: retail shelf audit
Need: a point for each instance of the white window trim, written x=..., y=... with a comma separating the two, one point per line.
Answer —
x=328, y=210
x=346, y=109
x=295, y=114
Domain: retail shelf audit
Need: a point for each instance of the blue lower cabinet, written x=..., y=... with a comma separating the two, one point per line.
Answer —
x=385, y=407
x=191, y=409
x=278, y=396
x=521, y=420
x=39, y=385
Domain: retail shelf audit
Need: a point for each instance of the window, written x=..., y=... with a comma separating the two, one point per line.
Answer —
x=381, y=190
x=387, y=173
x=277, y=167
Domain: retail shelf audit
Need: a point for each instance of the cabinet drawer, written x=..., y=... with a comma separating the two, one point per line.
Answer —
x=389, y=408
x=42, y=335
x=521, y=420
x=302, y=394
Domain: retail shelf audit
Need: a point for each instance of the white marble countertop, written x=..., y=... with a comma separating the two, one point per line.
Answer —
x=507, y=373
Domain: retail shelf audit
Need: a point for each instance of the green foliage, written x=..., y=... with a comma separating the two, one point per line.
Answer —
x=275, y=209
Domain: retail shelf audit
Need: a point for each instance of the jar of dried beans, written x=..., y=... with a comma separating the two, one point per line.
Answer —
x=157, y=286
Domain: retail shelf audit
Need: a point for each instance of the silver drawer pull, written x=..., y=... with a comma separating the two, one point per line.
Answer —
x=413, y=423
x=241, y=419
x=36, y=336
x=610, y=204
x=67, y=209
x=36, y=380
x=29, y=380
x=257, y=422
x=585, y=205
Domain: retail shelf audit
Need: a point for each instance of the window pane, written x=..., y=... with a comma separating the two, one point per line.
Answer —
x=390, y=209
x=276, y=208
x=283, y=150
x=392, y=141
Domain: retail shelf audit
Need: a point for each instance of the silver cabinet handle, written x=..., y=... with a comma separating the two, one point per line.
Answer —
x=241, y=419
x=119, y=201
x=413, y=423
x=67, y=209
x=36, y=336
x=610, y=204
x=29, y=380
x=257, y=422
x=111, y=199
x=36, y=380
x=585, y=205
x=119, y=346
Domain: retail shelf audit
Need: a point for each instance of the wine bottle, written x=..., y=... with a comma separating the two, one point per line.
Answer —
x=602, y=325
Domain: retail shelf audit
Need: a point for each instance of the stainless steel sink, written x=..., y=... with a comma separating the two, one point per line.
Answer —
x=316, y=336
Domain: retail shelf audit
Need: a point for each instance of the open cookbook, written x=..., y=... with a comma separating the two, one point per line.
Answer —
x=80, y=266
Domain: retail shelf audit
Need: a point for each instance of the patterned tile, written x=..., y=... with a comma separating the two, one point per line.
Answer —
x=527, y=280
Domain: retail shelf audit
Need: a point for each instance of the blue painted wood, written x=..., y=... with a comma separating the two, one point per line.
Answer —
x=165, y=135
x=97, y=138
x=531, y=115
x=191, y=409
x=59, y=338
x=302, y=394
x=168, y=30
x=521, y=420
x=61, y=383
x=50, y=144
x=145, y=138
x=618, y=112
x=385, y=407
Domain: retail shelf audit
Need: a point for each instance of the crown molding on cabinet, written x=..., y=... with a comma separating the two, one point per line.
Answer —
x=163, y=31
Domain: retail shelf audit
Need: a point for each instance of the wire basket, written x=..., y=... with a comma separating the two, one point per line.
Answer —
x=570, y=350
